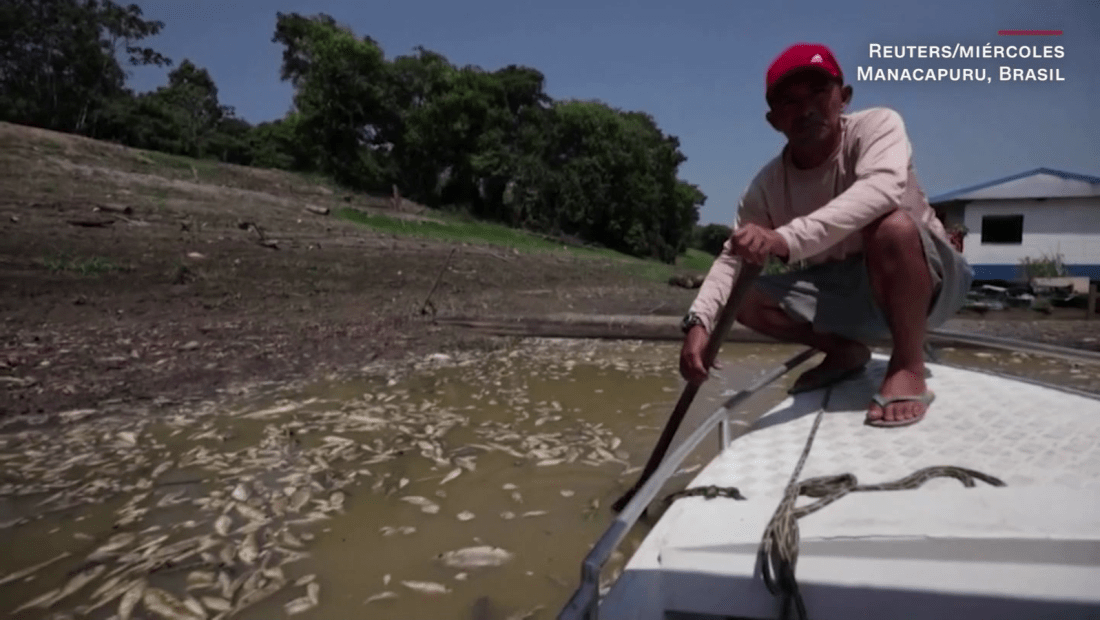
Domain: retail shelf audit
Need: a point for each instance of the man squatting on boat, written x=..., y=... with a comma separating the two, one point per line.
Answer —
x=842, y=197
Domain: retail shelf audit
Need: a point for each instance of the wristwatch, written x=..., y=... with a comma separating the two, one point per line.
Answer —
x=690, y=320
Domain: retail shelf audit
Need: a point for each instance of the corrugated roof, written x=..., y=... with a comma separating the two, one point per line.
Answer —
x=1037, y=183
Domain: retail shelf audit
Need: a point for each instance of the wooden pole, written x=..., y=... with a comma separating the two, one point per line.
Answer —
x=746, y=277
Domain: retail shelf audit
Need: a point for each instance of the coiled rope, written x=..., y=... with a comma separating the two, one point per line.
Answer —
x=778, y=553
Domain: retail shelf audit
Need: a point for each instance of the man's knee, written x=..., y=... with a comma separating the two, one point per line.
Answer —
x=893, y=230
x=753, y=308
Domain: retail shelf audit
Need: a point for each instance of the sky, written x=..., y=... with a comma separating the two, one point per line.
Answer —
x=698, y=68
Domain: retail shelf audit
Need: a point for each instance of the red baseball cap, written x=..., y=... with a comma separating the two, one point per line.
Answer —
x=802, y=56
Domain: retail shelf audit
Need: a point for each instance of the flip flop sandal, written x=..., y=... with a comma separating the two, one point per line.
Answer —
x=835, y=376
x=882, y=401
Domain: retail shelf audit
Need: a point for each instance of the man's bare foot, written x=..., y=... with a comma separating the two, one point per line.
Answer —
x=838, y=362
x=900, y=382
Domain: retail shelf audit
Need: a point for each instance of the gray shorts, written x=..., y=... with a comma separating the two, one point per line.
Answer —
x=836, y=296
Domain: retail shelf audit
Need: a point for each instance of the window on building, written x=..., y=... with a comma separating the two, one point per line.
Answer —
x=1006, y=229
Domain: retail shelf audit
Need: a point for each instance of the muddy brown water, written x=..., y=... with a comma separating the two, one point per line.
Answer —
x=337, y=499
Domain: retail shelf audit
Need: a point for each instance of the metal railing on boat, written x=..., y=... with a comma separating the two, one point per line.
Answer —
x=584, y=604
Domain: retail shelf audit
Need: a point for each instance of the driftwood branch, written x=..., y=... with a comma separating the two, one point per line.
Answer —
x=317, y=210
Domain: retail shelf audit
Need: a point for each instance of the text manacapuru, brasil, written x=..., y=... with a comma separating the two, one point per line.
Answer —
x=966, y=74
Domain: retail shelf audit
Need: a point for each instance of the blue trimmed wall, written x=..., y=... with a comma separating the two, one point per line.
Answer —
x=1012, y=272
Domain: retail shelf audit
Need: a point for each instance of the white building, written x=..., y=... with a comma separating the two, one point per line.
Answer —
x=1038, y=214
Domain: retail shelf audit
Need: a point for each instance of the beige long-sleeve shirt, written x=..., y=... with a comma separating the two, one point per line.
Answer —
x=820, y=211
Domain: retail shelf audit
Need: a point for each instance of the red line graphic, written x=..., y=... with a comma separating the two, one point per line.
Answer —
x=1041, y=33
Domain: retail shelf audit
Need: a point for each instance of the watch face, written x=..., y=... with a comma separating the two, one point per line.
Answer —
x=690, y=321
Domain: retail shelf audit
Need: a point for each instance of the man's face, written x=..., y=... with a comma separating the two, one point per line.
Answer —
x=806, y=107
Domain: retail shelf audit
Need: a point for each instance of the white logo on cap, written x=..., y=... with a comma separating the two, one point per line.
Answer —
x=817, y=58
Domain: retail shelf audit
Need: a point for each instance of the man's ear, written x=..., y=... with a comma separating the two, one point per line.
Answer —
x=846, y=94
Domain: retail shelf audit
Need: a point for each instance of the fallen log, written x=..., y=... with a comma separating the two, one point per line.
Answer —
x=636, y=327
x=317, y=210
x=597, y=327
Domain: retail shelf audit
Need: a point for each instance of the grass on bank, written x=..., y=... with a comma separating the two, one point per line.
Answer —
x=456, y=229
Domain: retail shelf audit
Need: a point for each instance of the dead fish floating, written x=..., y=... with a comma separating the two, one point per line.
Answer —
x=381, y=596
x=299, y=473
x=426, y=587
x=475, y=557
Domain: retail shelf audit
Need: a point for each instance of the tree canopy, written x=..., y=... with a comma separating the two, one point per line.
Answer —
x=491, y=143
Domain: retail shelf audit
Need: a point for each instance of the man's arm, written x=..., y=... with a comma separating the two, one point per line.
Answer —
x=882, y=169
x=716, y=287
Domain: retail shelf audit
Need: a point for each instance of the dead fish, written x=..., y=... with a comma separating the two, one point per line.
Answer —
x=451, y=476
x=301, y=581
x=299, y=605
x=109, y=590
x=195, y=606
x=130, y=600
x=465, y=515
x=241, y=493
x=112, y=546
x=227, y=554
x=426, y=505
x=313, y=591
x=249, y=549
x=549, y=462
x=79, y=580
x=426, y=587
x=517, y=497
x=200, y=579
x=566, y=493
x=227, y=586
x=222, y=525
x=299, y=499
x=386, y=579
x=128, y=438
x=250, y=598
x=475, y=557
x=380, y=597
x=214, y=603
x=535, y=513
x=163, y=604
x=32, y=569
x=250, y=513
x=43, y=601
x=275, y=574
x=507, y=515
x=336, y=500
x=163, y=467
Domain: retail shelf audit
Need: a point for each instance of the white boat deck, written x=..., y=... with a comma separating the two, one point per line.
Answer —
x=1030, y=549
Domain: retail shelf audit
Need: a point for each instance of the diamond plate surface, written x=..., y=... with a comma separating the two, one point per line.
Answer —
x=1023, y=434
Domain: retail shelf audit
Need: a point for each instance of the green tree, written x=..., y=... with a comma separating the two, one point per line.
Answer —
x=340, y=96
x=711, y=237
x=184, y=117
x=59, y=65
